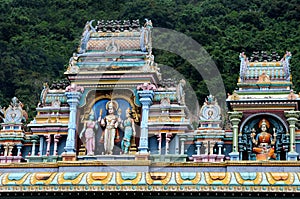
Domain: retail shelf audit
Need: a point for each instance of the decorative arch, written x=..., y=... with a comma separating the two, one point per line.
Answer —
x=262, y=114
x=249, y=150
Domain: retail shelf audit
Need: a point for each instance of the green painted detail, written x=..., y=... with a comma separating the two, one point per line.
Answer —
x=112, y=63
x=71, y=175
x=248, y=176
x=187, y=176
x=16, y=176
x=160, y=95
x=112, y=34
x=137, y=98
x=206, y=136
x=11, y=138
x=271, y=84
x=84, y=95
x=129, y=176
x=61, y=97
x=258, y=92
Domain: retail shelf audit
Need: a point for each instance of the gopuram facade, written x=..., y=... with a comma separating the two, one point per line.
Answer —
x=115, y=127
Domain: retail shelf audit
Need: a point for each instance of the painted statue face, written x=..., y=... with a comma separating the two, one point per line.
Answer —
x=263, y=127
x=110, y=110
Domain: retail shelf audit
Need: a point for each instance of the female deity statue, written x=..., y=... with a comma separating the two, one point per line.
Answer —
x=129, y=131
x=264, y=142
x=111, y=124
x=89, y=134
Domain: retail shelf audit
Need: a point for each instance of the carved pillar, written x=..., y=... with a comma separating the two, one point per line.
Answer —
x=33, y=147
x=292, y=118
x=19, y=147
x=159, y=139
x=235, y=118
x=5, y=146
x=168, y=139
x=55, y=140
x=146, y=97
x=182, y=139
x=48, y=141
x=10, y=148
x=220, y=145
x=73, y=93
x=176, y=139
x=198, y=146
x=41, y=145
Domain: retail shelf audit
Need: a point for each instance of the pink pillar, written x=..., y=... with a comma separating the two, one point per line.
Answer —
x=56, y=140
x=48, y=140
x=168, y=139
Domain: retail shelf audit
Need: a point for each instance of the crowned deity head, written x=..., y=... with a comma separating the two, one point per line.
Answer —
x=111, y=106
x=264, y=125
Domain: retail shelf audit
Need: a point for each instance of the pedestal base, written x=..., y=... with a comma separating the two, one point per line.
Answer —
x=142, y=156
x=234, y=156
x=106, y=157
x=168, y=158
x=292, y=156
x=220, y=158
x=68, y=157
x=2, y=159
x=212, y=158
x=197, y=158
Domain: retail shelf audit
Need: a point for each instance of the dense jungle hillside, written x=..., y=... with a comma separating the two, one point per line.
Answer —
x=38, y=37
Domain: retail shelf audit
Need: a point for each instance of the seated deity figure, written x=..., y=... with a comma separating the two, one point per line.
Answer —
x=111, y=124
x=88, y=134
x=129, y=131
x=264, y=142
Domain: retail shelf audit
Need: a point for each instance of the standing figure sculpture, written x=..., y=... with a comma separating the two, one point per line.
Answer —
x=111, y=124
x=264, y=142
x=180, y=92
x=89, y=134
x=129, y=131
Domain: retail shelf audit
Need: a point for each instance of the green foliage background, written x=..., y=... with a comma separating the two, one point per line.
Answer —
x=37, y=37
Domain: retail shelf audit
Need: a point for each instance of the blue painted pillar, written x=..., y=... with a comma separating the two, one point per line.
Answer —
x=292, y=119
x=73, y=93
x=146, y=97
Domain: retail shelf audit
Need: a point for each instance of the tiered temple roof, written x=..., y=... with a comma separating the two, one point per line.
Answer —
x=114, y=89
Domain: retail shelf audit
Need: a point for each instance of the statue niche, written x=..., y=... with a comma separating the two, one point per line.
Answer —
x=109, y=128
x=264, y=142
x=263, y=138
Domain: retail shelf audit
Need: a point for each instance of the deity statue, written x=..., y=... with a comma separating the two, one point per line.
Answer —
x=129, y=131
x=263, y=78
x=111, y=124
x=264, y=142
x=180, y=92
x=88, y=133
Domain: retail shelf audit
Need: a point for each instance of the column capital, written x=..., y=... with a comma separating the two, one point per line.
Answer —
x=146, y=94
x=292, y=115
x=74, y=88
x=235, y=115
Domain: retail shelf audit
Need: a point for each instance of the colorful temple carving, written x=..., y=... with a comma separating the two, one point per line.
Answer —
x=115, y=126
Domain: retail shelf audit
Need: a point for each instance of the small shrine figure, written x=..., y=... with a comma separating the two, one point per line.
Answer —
x=264, y=142
x=111, y=124
x=129, y=131
x=264, y=78
x=180, y=92
x=88, y=134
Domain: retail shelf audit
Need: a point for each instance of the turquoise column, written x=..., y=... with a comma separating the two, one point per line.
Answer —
x=73, y=93
x=146, y=97
x=235, y=118
x=292, y=118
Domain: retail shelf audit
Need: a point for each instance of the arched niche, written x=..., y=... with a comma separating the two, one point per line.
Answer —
x=253, y=120
x=97, y=100
x=276, y=124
